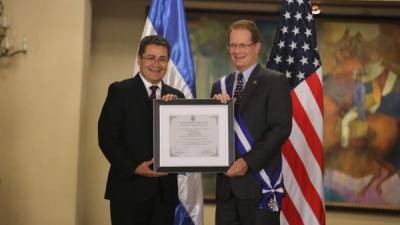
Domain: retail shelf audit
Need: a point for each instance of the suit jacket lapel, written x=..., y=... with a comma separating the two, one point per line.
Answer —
x=249, y=88
x=140, y=90
x=164, y=90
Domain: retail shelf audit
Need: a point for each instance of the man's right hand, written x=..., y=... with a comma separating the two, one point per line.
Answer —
x=223, y=98
x=144, y=170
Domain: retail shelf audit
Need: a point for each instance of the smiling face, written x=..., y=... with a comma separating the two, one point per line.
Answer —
x=153, y=63
x=247, y=55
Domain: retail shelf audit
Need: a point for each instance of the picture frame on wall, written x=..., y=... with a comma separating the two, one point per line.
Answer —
x=361, y=77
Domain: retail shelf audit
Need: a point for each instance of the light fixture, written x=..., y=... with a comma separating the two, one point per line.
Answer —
x=315, y=9
x=5, y=46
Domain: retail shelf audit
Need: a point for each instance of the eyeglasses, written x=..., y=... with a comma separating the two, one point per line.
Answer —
x=239, y=46
x=152, y=59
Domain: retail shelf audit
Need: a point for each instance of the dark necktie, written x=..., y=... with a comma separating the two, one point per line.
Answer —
x=238, y=89
x=153, y=92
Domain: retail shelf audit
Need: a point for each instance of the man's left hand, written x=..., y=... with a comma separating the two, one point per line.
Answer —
x=168, y=97
x=238, y=168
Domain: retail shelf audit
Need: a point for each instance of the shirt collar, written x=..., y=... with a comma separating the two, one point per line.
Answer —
x=247, y=72
x=147, y=84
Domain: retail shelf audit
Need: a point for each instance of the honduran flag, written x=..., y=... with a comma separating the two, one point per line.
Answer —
x=167, y=18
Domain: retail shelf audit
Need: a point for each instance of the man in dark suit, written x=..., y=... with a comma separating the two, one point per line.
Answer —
x=138, y=195
x=262, y=100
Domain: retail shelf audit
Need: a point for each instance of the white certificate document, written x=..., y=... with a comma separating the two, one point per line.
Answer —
x=194, y=135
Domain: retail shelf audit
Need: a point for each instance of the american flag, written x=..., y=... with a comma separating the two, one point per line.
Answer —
x=295, y=54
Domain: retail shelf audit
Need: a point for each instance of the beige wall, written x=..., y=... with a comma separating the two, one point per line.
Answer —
x=51, y=169
x=40, y=103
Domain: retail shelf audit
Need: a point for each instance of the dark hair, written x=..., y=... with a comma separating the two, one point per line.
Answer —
x=246, y=25
x=152, y=40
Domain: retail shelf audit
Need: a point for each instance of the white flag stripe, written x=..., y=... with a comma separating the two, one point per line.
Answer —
x=304, y=152
x=297, y=196
x=174, y=78
x=310, y=106
x=319, y=72
x=191, y=184
x=148, y=30
x=283, y=219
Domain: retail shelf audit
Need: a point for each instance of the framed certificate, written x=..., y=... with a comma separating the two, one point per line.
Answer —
x=193, y=135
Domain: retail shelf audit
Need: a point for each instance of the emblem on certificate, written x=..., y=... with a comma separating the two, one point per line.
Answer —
x=193, y=135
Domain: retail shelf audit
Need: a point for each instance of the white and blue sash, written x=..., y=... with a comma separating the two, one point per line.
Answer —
x=272, y=189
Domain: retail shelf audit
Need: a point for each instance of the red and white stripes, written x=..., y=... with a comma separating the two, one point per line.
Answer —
x=303, y=156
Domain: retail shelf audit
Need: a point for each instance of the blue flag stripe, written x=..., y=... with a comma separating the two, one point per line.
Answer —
x=174, y=29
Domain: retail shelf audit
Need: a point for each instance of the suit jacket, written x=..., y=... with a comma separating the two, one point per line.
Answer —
x=125, y=133
x=266, y=108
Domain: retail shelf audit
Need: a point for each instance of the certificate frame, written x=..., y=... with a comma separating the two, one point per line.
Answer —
x=193, y=122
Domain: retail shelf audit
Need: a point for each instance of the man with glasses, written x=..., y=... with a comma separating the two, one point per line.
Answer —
x=263, y=112
x=138, y=195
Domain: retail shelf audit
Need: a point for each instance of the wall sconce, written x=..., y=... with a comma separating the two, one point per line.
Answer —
x=5, y=46
x=315, y=9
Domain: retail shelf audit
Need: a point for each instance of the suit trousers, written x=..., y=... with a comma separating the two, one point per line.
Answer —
x=154, y=211
x=234, y=211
